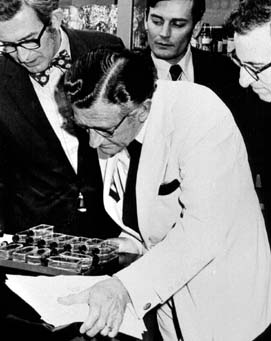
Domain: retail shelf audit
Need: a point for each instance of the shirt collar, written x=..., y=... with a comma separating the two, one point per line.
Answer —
x=186, y=64
x=141, y=134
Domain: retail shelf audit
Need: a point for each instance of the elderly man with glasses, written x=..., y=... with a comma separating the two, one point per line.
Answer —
x=47, y=175
x=251, y=24
x=252, y=38
x=194, y=216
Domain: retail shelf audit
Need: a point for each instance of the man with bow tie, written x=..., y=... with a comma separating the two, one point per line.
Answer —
x=196, y=221
x=47, y=175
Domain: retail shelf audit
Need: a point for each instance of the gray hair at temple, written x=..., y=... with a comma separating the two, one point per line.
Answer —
x=43, y=8
x=198, y=9
x=249, y=15
x=121, y=77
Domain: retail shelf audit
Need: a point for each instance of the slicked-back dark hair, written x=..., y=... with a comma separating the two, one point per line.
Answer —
x=116, y=76
x=249, y=15
x=43, y=8
x=198, y=8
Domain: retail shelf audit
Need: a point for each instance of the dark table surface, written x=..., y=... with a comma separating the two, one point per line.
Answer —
x=19, y=321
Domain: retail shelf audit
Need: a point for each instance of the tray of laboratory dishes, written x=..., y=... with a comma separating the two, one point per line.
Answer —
x=39, y=249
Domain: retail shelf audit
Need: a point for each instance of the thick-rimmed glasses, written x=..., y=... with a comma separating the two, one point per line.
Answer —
x=108, y=133
x=251, y=71
x=31, y=44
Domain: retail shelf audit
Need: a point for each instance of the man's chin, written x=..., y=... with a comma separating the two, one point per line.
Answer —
x=106, y=154
x=163, y=54
x=35, y=68
x=265, y=97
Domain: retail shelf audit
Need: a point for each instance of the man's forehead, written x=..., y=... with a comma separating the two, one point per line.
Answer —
x=99, y=111
x=174, y=7
x=21, y=26
x=254, y=44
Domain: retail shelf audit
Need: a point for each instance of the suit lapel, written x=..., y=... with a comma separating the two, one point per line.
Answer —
x=77, y=45
x=22, y=93
x=154, y=156
x=201, y=65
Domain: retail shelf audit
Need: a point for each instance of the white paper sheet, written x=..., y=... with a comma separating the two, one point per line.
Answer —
x=42, y=292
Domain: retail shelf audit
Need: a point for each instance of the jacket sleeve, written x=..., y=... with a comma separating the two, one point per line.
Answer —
x=4, y=171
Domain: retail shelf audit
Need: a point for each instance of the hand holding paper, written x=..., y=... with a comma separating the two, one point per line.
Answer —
x=107, y=302
x=43, y=294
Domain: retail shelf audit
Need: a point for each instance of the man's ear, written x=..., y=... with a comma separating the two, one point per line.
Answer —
x=145, y=23
x=197, y=29
x=57, y=17
x=144, y=110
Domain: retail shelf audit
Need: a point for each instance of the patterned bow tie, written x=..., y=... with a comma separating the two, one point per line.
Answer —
x=62, y=61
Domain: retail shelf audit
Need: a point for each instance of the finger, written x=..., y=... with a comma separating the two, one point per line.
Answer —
x=114, y=241
x=114, y=328
x=106, y=330
x=95, y=321
x=113, y=323
x=81, y=297
x=96, y=328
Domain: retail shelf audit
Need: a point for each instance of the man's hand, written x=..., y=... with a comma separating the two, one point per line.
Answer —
x=107, y=302
x=125, y=245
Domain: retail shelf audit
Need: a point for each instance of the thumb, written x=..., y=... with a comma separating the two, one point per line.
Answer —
x=81, y=297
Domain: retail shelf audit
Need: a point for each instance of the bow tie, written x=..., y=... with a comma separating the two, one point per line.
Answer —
x=62, y=61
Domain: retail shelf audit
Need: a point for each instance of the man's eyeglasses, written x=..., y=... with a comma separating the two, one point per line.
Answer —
x=108, y=133
x=31, y=44
x=251, y=71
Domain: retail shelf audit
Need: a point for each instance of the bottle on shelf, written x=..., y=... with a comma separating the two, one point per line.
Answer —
x=217, y=32
x=213, y=38
x=206, y=38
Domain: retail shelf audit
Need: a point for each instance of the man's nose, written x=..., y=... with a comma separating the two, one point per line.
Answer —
x=245, y=79
x=22, y=54
x=165, y=30
x=95, y=140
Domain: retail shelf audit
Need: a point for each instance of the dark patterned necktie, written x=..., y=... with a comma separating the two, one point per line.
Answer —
x=129, y=215
x=62, y=61
x=175, y=72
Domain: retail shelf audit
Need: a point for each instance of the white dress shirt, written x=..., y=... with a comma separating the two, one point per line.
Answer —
x=118, y=167
x=47, y=100
x=186, y=63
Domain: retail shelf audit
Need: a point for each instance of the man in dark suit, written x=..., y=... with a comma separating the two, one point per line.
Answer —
x=47, y=175
x=250, y=22
x=170, y=25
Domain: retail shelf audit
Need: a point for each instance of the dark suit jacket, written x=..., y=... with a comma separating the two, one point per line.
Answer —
x=220, y=74
x=37, y=182
x=251, y=114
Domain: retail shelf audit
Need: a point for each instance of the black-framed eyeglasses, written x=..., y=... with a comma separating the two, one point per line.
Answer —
x=108, y=133
x=31, y=44
x=254, y=73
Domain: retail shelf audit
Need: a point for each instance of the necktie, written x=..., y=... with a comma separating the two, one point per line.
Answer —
x=62, y=61
x=129, y=216
x=175, y=72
